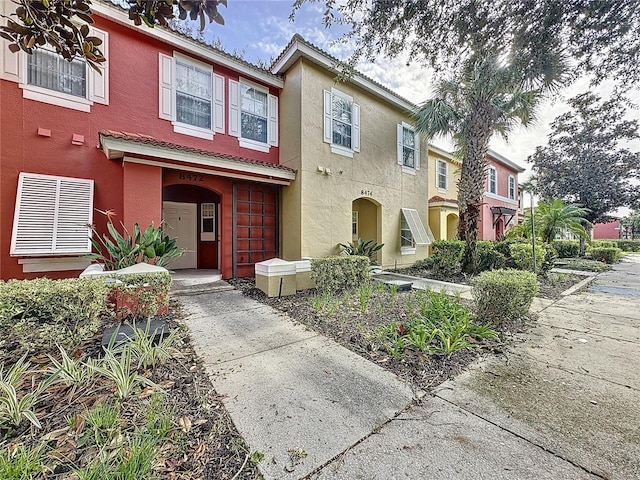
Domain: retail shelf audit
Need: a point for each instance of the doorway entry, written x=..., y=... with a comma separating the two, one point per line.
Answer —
x=181, y=222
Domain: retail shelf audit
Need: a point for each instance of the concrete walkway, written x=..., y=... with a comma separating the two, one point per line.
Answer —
x=563, y=402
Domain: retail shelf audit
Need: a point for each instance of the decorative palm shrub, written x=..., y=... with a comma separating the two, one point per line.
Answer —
x=362, y=249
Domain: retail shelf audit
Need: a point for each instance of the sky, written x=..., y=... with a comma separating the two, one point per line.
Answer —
x=260, y=30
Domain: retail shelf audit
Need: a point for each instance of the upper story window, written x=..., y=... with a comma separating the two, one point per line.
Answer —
x=408, y=148
x=512, y=188
x=493, y=180
x=49, y=70
x=191, y=96
x=253, y=115
x=442, y=175
x=253, y=124
x=341, y=122
x=45, y=76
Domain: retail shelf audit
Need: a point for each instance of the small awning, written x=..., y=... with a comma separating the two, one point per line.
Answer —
x=505, y=212
x=421, y=235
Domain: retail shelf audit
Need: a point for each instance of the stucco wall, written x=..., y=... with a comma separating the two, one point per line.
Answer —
x=325, y=201
x=500, y=199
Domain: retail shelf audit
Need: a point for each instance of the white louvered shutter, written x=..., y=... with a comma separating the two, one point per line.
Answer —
x=327, y=134
x=218, y=103
x=417, y=150
x=9, y=62
x=399, y=149
x=166, y=95
x=355, y=134
x=273, y=120
x=100, y=81
x=52, y=215
x=234, y=108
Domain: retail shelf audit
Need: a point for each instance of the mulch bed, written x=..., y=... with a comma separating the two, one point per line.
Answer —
x=203, y=444
x=348, y=325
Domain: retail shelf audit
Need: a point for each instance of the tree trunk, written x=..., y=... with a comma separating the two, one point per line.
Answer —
x=477, y=132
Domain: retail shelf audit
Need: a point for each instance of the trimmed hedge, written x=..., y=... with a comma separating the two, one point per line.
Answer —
x=567, y=248
x=447, y=257
x=64, y=311
x=602, y=244
x=522, y=256
x=488, y=257
x=503, y=295
x=140, y=295
x=627, y=245
x=337, y=273
x=605, y=254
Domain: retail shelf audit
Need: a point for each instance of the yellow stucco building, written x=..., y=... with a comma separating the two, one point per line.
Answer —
x=362, y=170
x=444, y=174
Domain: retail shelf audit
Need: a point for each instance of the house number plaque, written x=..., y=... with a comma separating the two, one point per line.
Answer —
x=368, y=193
x=194, y=177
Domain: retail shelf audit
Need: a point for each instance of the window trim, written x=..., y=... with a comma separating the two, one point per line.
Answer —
x=167, y=92
x=511, y=188
x=492, y=171
x=96, y=88
x=23, y=202
x=446, y=175
x=400, y=150
x=354, y=222
x=328, y=96
x=208, y=236
x=235, y=116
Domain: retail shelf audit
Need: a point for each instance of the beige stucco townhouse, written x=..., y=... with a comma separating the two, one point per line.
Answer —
x=361, y=168
x=444, y=175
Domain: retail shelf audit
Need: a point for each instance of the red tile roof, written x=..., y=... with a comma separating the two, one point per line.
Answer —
x=149, y=140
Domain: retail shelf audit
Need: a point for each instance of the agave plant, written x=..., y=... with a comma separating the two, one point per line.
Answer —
x=362, y=248
x=117, y=250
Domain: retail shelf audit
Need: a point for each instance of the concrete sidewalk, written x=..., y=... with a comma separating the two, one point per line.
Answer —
x=562, y=403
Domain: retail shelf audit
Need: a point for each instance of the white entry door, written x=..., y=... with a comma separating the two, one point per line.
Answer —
x=181, y=223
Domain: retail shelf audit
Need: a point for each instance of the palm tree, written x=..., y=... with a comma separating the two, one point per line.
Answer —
x=555, y=216
x=488, y=96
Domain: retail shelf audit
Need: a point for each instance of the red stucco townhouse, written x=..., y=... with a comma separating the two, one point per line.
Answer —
x=171, y=129
x=500, y=199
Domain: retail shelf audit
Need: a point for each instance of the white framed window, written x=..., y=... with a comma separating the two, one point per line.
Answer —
x=354, y=226
x=208, y=222
x=408, y=148
x=45, y=76
x=493, y=180
x=253, y=115
x=512, y=188
x=406, y=237
x=52, y=216
x=341, y=123
x=191, y=96
x=442, y=175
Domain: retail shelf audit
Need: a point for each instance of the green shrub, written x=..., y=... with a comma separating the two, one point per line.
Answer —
x=488, y=257
x=602, y=244
x=148, y=294
x=522, y=257
x=605, y=254
x=442, y=326
x=60, y=311
x=504, y=295
x=447, y=255
x=424, y=264
x=581, y=264
x=628, y=245
x=333, y=274
x=567, y=248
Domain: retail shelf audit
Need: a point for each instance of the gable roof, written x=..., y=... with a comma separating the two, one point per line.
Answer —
x=119, y=14
x=299, y=47
x=505, y=161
